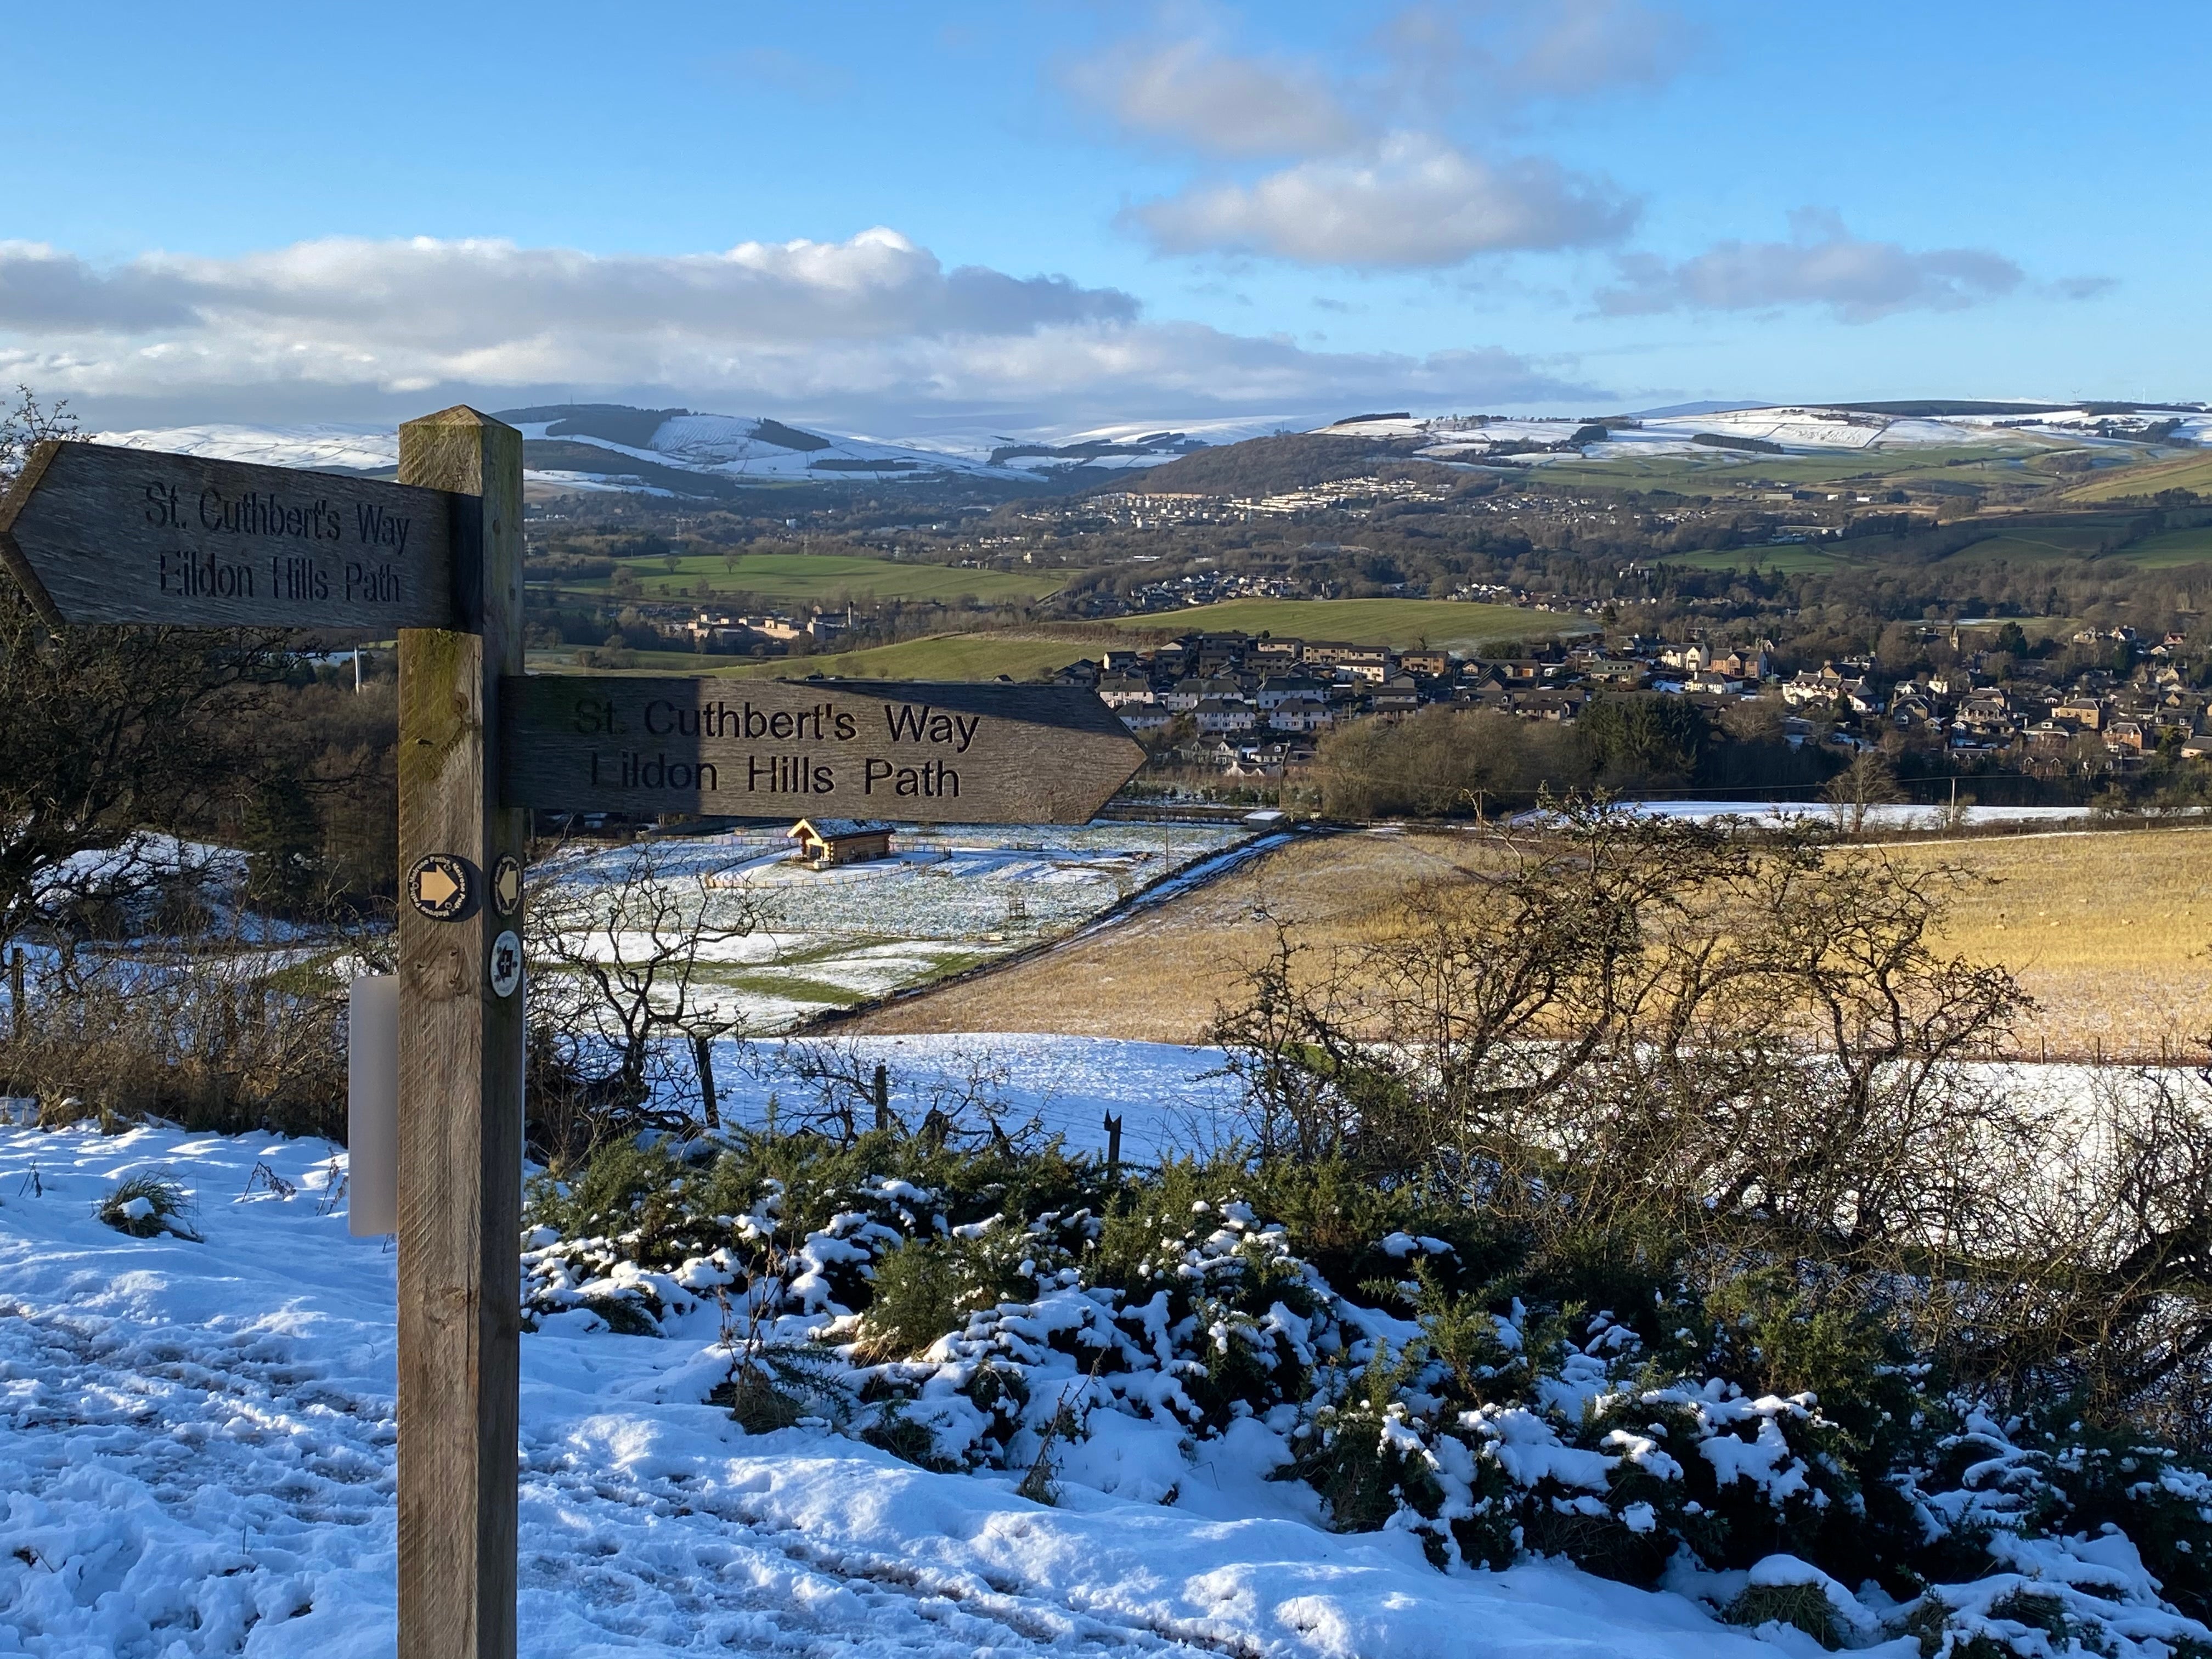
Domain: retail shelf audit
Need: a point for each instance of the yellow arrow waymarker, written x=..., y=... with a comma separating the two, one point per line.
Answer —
x=506, y=885
x=439, y=885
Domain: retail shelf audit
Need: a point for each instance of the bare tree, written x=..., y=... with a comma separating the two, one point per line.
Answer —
x=1756, y=1043
x=1636, y=1011
x=1868, y=781
x=622, y=949
x=966, y=1105
x=109, y=729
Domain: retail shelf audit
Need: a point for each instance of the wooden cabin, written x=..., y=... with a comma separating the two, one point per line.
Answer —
x=826, y=843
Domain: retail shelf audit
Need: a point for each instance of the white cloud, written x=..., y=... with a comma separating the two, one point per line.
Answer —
x=1578, y=48
x=1190, y=92
x=874, y=328
x=1414, y=201
x=1822, y=264
x=435, y=294
x=1368, y=176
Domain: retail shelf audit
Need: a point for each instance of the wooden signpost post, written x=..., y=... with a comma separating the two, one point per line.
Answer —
x=101, y=535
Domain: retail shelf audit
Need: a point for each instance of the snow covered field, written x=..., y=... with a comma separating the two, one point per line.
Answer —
x=1878, y=817
x=951, y=898
x=1171, y=1100
x=196, y=1459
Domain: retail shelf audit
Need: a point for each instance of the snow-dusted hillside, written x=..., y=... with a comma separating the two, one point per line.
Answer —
x=574, y=450
x=1797, y=428
x=599, y=446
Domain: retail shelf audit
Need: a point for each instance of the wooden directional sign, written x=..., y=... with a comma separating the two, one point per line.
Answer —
x=767, y=749
x=100, y=534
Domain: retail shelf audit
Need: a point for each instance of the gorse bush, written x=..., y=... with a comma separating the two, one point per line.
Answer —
x=1617, y=1394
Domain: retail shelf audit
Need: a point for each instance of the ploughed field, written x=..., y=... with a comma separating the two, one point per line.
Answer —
x=2110, y=932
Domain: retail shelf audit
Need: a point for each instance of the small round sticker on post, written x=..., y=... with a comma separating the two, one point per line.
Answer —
x=506, y=965
x=507, y=884
x=438, y=886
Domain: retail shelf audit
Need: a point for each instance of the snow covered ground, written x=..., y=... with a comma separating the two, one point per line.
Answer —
x=1878, y=817
x=1171, y=1100
x=196, y=1459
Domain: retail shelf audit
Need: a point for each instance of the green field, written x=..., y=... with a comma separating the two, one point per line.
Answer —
x=1791, y=558
x=1436, y=623
x=1717, y=471
x=562, y=660
x=2183, y=472
x=825, y=577
x=939, y=657
x=2034, y=542
x=2082, y=537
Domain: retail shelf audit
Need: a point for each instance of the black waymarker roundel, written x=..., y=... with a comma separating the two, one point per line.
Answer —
x=438, y=886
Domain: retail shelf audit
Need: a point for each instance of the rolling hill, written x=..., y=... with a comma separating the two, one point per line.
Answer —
x=686, y=454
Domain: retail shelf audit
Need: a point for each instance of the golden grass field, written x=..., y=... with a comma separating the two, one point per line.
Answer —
x=1159, y=976
x=2110, y=932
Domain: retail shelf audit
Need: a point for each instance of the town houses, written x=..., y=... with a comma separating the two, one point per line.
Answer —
x=1251, y=705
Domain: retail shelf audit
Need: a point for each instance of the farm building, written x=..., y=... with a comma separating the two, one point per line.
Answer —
x=825, y=843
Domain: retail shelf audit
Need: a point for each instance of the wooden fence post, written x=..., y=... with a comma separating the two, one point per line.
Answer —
x=460, y=1067
x=702, y=1058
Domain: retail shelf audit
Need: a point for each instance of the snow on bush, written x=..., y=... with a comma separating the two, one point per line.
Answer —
x=148, y=1205
x=992, y=1312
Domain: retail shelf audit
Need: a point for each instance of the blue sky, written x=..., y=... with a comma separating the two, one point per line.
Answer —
x=1097, y=214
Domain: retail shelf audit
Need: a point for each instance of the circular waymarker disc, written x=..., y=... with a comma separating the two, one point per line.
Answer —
x=438, y=886
x=507, y=884
x=506, y=963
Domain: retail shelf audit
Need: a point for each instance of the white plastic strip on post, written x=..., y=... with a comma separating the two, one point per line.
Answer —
x=372, y=1106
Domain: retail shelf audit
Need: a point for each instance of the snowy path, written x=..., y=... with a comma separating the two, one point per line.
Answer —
x=195, y=1444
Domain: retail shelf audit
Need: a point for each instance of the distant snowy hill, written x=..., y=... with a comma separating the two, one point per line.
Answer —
x=1806, y=428
x=676, y=451
x=681, y=453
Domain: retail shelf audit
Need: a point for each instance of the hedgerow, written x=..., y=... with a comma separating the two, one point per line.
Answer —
x=1606, y=1394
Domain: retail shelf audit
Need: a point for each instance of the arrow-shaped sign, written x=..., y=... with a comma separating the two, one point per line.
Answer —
x=100, y=534
x=919, y=753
